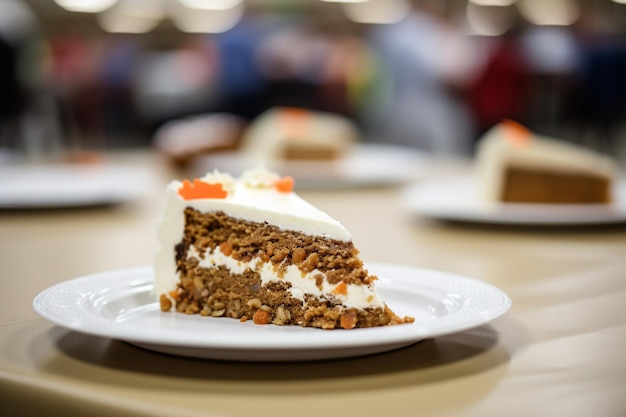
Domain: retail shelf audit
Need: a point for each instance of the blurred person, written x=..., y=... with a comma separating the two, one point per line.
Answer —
x=29, y=120
x=240, y=82
x=554, y=62
x=12, y=96
x=175, y=82
x=424, y=64
x=284, y=62
x=500, y=90
x=75, y=76
x=121, y=121
x=17, y=29
x=597, y=108
x=291, y=58
x=347, y=76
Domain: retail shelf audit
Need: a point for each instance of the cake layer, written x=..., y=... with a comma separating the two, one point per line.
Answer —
x=522, y=185
x=218, y=292
x=233, y=268
x=308, y=264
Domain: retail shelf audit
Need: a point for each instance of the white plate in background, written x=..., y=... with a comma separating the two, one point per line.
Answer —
x=365, y=165
x=456, y=199
x=65, y=185
x=120, y=305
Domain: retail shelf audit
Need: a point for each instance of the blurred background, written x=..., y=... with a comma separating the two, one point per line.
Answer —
x=430, y=74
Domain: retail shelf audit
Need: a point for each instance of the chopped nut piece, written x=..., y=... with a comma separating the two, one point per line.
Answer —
x=282, y=316
x=298, y=255
x=166, y=303
x=255, y=303
x=192, y=309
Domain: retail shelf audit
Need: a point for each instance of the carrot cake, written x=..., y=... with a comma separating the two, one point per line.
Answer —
x=251, y=248
x=292, y=133
x=517, y=166
x=182, y=140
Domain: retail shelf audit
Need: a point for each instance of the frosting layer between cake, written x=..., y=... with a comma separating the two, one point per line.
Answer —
x=358, y=296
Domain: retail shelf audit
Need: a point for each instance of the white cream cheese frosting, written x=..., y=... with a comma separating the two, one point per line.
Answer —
x=252, y=197
x=502, y=147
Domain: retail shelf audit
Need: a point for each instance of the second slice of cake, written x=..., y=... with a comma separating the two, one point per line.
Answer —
x=250, y=248
x=517, y=166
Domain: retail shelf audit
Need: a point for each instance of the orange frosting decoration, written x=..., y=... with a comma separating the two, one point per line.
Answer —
x=200, y=189
x=519, y=135
x=294, y=122
x=285, y=184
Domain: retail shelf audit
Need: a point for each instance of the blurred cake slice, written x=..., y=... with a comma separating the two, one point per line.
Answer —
x=289, y=133
x=517, y=166
x=182, y=140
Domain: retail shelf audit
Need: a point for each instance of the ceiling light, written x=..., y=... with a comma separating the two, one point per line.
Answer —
x=205, y=21
x=501, y=3
x=85, y=6
x=210, y=4
x=132, y=16
x=345, y=1
x=377, y=11
x=488, y=21
x=553, y=12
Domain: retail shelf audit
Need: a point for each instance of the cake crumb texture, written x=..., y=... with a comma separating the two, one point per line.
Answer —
x=243, y=241
x=218, y=292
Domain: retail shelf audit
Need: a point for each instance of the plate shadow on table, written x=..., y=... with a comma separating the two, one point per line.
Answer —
x=477, y=226
x=70, y=207
x=38, y=211
x=452, y=356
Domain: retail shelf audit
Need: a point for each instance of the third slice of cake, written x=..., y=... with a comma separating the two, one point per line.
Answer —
x=250, y=248
x=516, y=166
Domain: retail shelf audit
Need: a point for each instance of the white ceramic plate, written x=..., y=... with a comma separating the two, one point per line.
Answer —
x=364, y=165
x=120, y=305
x=58, y=186
x=455, y=199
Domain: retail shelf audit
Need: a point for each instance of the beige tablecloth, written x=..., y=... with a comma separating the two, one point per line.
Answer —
x=560, y=350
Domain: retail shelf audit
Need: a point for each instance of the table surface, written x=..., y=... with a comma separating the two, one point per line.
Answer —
x=560, y=350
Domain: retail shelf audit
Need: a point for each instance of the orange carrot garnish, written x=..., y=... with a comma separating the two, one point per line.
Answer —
x=201, y=189
x=518, y=134
x=261, y=317
x=294, y=122
x=349, y=320
x=285, y=184
x=341, y=288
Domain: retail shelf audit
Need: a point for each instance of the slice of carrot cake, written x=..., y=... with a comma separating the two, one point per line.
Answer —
x=251, y=248
x=517, y=166
x=298, y=134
